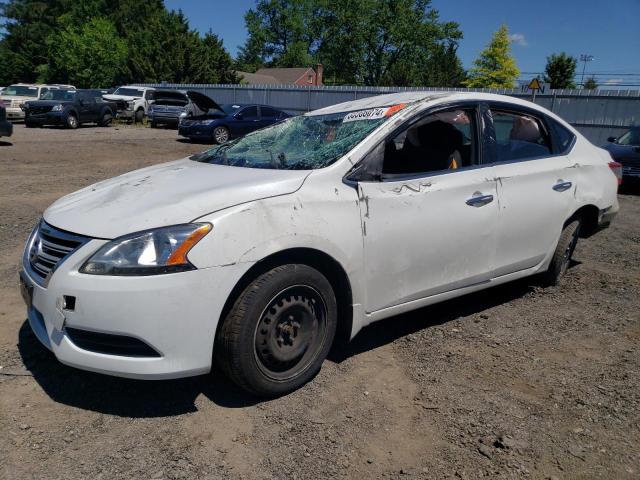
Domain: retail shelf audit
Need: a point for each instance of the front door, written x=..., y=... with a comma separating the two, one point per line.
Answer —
x=428, y=221
x=247, y=120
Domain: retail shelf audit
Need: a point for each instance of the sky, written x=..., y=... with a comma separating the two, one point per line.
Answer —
x=607, y=30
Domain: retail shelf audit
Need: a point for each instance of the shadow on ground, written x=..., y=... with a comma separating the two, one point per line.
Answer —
x=135, y=398
x=5, y=144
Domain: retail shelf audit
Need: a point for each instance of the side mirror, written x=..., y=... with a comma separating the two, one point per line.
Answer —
x=82, y=102
x=239, y=116
x=611, y=139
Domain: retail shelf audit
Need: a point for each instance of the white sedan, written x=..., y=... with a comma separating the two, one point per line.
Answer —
x=256, y=254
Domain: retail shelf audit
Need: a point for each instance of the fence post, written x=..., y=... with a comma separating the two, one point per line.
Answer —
x=553, y=102
x=308, y=99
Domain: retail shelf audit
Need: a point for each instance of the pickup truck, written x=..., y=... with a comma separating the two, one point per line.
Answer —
x=133, y=102
x=69, y=108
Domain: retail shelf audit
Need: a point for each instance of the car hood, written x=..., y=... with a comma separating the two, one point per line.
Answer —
x=166, y=194
x=48, y=103
x=120, y=97
x=202, y=101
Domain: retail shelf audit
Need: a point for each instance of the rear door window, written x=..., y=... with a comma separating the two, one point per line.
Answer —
x=519, y=136
x=268, y=112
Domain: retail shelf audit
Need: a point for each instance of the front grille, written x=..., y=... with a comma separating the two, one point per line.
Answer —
x=48, y=248
x=7, y=103
x=39, y=110
x=110, y=344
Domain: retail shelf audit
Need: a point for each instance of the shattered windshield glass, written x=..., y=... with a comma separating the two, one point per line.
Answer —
x=300, y=143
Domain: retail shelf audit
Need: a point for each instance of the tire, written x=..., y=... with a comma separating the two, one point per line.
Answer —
x=153, y=124
x=279, y=331
x=563, y=253
x=139, y=116
x=30, y=125
x=220, y=135
x=106, y=120
x=72, y=121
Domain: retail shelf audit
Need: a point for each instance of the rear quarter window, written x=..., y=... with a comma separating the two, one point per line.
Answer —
x=563, y=138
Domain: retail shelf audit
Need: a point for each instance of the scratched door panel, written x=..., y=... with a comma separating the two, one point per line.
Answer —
x=422, y=238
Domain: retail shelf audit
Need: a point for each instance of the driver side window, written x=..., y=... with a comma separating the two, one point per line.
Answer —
x=443, y=141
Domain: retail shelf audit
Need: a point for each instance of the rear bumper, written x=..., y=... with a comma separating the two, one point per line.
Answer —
x=6, y=129
x=606, y=216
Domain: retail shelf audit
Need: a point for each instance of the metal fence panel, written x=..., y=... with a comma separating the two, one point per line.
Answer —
x=597, y=114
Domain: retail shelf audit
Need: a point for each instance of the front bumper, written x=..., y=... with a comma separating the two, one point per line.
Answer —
x=196, y=131
x=126, y=114
x=15, y=113
x=164, y=119
x=174, y=314
x=6, y=129
x=49, y=118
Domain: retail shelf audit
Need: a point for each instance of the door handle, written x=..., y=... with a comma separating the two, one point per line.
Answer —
x=562, y=186
x=478, y=200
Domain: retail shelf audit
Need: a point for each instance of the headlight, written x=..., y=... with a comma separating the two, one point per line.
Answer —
x=152, y=252
x=208, y=122
x=183, y=114
x=57, y=108
x=130, y=105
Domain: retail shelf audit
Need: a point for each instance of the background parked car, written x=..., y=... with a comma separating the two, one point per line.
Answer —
x=14, y=96
x=6, y=127
x=171, y=106
x=224, y=122
x=70, y=108
x=626, y=150
x=132, y=102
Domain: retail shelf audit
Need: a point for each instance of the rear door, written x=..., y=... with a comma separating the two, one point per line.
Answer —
x=536, y=187
x=268, y=116
x=86, y=107
x=428, y=223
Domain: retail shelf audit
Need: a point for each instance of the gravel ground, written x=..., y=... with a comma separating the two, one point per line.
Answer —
x=513, y=382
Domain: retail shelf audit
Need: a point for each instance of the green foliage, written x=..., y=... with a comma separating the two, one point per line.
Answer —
x=371, y=42
x=87, y=56
x=61, y=41
x=495, y=67
x=591, y=83
x=560, y=71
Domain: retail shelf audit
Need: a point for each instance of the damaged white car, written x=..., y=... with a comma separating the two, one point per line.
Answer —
x=256, y=254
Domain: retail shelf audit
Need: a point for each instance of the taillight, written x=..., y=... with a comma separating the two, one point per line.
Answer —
x=616, y=168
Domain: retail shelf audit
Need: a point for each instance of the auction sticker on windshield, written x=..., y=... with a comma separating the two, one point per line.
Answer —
x=372, y=113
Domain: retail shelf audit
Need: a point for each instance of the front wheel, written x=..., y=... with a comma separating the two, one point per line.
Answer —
x=279, y=331
x=220, y=135
x=72, y=121
x=139, y=116
x=562, y=256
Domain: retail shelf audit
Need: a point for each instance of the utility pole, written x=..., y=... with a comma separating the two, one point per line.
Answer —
x=584, y=57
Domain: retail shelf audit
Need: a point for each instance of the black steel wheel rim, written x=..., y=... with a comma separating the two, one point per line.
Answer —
x=568, y=253
x=291, y=332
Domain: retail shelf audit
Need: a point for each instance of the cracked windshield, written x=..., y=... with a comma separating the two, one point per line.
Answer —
x=300, y=143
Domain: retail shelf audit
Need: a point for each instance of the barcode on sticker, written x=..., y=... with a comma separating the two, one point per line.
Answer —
x=371, y=114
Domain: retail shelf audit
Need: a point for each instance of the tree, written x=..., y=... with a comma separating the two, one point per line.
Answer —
x=88, y=56
x=159, y=43
x=591, y=84
x=371, y=42
x=495, y=67
x=560, y=71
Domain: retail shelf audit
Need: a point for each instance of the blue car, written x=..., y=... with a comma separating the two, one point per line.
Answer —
x=224, y=122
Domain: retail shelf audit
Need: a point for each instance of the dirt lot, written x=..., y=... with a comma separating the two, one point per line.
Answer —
x=514, y=382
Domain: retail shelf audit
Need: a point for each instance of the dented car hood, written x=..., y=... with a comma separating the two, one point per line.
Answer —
x=166, y=194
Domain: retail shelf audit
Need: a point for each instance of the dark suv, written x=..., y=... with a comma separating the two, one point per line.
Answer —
x=6, y=127
x=626, y=150
x=69, y=108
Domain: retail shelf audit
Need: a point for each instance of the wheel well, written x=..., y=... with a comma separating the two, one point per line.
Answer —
x=317, y=259
x=589, y=219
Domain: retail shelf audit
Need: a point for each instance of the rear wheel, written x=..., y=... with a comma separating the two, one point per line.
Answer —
x=562, y=256
x=221, y=135
x=279, y=331
x=106, y=119
x=72, y=121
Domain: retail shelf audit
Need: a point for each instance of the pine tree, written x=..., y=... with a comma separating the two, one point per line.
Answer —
x=495, y=67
